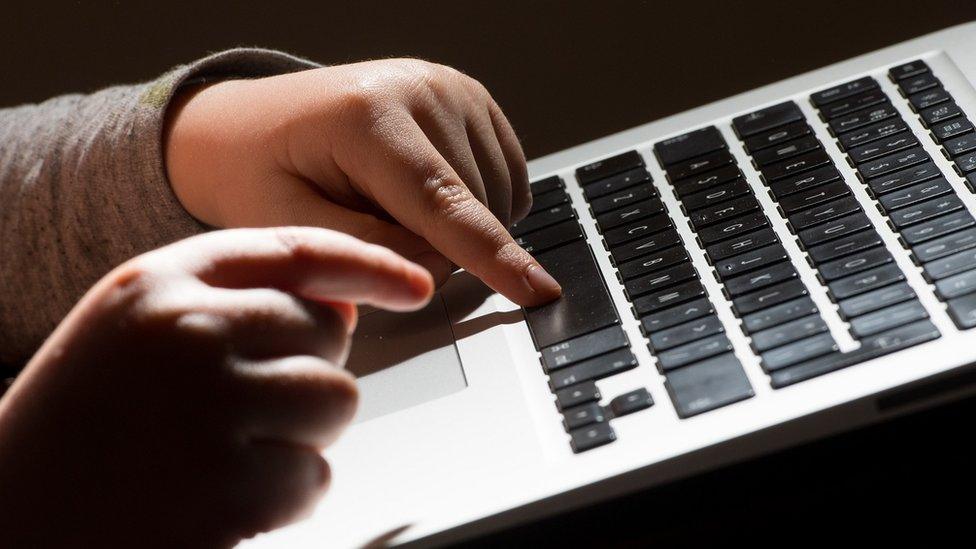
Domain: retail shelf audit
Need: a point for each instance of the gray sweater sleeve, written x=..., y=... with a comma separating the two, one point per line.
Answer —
x=83, y=188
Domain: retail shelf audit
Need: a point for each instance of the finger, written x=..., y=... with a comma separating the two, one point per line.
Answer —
x=515, y=160
x=300, y=204
x=265, y=323
x=312, y=263
x=275, y=484
x=296, y=399
x=491, y=163
x=451, y=139
x=426, y=195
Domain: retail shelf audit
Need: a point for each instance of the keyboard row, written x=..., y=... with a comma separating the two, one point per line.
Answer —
x=579, y=335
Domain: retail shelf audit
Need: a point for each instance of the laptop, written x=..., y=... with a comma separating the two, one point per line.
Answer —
x=785, y=264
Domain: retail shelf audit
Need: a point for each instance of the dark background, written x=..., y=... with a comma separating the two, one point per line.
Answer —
x=566, y=73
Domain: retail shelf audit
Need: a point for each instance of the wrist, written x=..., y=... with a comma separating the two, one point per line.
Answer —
x=192, y=136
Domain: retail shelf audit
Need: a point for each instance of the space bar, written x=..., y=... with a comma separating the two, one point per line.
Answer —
x=585, y=305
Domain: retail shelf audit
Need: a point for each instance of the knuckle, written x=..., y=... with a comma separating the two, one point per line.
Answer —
x=364, y=101
x=447, y=195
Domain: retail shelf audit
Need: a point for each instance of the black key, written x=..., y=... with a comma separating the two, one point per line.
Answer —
x=866, y=281
x=609, y=166
x=887, y=319
x=911, y=86
x=707, y=385
x=704, y=181
x=939, y=113
x=903, y=178
x=786, y=150
x=644, y=246
x=871, y=133
x=741, y=244
x=787, y=333
x=937, y=227
x=950, y=265
x=892, y=163
x=835, y=228
x=948, y=130
x=689, y=145
x=637, y=229
x=962, y=311
x=718, y=212
x=908, y=70
x=853, y=103
x=676, y=315
x=812, y=197
x=960, y=145
x=551, y=237
x=945, y=246
x=843, y=246
x=583, y=415
x=637, y=211
x=776, y=136
x=795, y=165
x=798, y=351
x=584, y=306
x=699, y=165
x=616, y=183
x=874, y=300
x=693, y=352
x=547, y=184
x=966, y=163
x=824, y=212
x=591, y=437
x=658, y=281
x=971, y=182
x=802, y=182
x=543, y=219
x=767, y=297
x=767, y=276
x=595, y=368
x=623, y=198
x=628, y=403
x=924, y=211
x=913, y=195
x=860, y=119
x=749, y=261
x=580, y=393
x=779, y=314
x=548, y=200
x=956, y=285
x=766, y=119
x=881, y=147
x=847, y=89
x=716, y=195
x=731, y=228
x=685, y=333
x=667, y=298
x=871, y=347
x=855, y=263
x=583, y=347
x=652, y=263
x=926, y=99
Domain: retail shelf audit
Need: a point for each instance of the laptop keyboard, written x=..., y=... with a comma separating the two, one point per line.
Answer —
x=580, y=338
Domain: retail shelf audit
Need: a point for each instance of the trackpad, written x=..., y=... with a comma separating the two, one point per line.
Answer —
x=404, y=359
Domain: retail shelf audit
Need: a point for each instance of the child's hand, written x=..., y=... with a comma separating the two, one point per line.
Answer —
x=403, y=153
x=185, y=399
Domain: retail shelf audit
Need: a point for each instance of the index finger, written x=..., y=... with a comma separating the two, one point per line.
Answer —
x=313, y=263
x=426, y=195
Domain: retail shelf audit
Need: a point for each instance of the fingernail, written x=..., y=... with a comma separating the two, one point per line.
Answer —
x=542, y=283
